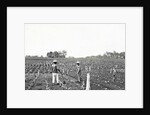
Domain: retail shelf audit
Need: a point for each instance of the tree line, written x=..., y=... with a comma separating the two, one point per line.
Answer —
x=51, y=54
x=62, y=54
x=113, y=54
x=57, y=54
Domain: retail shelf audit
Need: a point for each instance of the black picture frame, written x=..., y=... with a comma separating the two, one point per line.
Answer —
x=102, y=3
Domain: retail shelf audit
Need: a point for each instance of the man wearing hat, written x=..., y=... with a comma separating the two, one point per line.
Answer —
x=78, y=70
x=114, y=72
x=55, y=71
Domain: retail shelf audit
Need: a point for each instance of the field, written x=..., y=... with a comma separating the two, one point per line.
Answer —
x=38, y=74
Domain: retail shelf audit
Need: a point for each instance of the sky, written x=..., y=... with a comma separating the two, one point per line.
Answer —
x=79, y=40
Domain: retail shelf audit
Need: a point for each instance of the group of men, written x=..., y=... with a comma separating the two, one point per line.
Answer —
x=56, y=71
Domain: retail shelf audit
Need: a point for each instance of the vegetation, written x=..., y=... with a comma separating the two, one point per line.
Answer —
x=38, y=73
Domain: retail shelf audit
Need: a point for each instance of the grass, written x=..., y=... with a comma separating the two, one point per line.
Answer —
x=99, y=69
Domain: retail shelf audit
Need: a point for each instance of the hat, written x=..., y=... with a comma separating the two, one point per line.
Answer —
x=116, y=65
x=77, y=62
x=55, y=61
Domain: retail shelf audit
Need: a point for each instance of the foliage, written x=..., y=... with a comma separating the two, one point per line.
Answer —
x=57, y=54
x=99, y=69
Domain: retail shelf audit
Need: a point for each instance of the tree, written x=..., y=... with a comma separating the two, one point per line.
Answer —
x=115, y=54
x=50, y=54
x=56, y=54
x=122, y=55
x=64, y=52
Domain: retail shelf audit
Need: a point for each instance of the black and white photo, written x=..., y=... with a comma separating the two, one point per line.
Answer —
x=75, y=56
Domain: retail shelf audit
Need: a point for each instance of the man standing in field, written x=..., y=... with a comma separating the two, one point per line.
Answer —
x=55, y=71
x=114, y=71
x=78, y=71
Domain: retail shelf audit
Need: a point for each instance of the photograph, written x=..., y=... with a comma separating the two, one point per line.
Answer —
x=75, y=56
